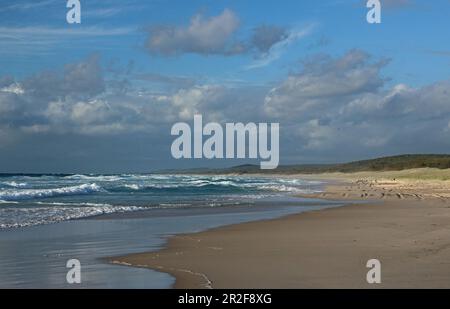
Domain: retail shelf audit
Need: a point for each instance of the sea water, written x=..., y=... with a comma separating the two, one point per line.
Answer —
x=45, y=220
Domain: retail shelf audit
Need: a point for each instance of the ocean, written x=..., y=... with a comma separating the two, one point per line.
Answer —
x=46, y=220
x=27, y=200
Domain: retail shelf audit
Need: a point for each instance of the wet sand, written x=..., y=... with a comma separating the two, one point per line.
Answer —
x=403, y=223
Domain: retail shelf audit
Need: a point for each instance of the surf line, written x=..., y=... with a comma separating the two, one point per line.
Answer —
x=233, y=146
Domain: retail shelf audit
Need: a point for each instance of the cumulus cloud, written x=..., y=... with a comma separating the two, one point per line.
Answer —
x=215, y=35
x=324, y=80
x=345, y=106
x=331, y=109
x=82, y=79
x=280, y=42
x=203, y=35
x=78, y=100
x=265, y=36
x=25, y=104
x=6, y=81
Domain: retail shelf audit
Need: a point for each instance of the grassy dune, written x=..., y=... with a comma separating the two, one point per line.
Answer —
x=415, y=166
x=408, y=174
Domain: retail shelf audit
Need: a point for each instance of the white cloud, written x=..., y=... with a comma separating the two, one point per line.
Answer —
x=323, y=81
x=332, y=108
x=211, y=35
x=279, y=47
x=15, y=88
x=218, y=35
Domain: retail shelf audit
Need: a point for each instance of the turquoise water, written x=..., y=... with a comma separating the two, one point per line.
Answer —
x=27, y=200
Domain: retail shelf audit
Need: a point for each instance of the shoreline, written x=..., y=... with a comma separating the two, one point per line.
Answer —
x=203, y=280
x=404, y=225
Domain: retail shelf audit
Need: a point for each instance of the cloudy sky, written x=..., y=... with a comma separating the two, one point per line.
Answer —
x=101, y=96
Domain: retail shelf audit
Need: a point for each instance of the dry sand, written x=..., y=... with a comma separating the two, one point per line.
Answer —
x=405, y=225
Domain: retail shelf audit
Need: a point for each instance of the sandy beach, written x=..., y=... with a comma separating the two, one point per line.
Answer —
x=404, y=223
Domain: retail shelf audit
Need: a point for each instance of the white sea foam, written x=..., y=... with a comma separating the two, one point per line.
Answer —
x=21, y=217
x=133, y=186
x=94, y=177
x=14, y=195
x=8, y=202
x=20, y=204
x=281, y=188
x=14, y=184
x=76, y=204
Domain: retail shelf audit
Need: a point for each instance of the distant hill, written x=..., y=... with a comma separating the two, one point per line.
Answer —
x=394, y=163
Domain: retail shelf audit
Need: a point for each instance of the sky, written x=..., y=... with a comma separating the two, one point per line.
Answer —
x=101, y=96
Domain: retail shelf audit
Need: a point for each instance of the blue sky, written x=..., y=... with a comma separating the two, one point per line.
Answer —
x=412, y=34
x=242, y=50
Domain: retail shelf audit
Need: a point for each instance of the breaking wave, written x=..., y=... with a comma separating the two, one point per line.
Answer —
x=22, y=217
x=27, y=200
x=13, y=184
x=15, y=195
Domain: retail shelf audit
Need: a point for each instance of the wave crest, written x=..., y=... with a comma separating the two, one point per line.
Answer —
x=14, y=195
x=13, y=184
